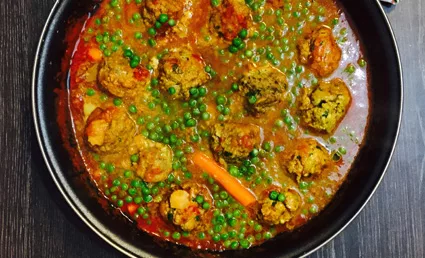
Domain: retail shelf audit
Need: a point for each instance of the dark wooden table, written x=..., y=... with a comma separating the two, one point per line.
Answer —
x=35, y=222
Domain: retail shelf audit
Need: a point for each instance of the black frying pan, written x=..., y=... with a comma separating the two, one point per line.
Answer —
x=368, y=169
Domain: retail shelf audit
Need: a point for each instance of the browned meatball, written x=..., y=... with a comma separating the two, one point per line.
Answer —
x=110, y=130
x=155, y=159
x=117, y=77
x=276, y=3
x=275, y=212
x=234, y=141
x=323, y=107
x=229, y=18
x=320, y=51
x=182, y=70
x=305, y=157
x=153, y=8
x=264, y=88
x=183, y=211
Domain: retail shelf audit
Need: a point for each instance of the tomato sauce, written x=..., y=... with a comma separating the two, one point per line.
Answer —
x=139, y=154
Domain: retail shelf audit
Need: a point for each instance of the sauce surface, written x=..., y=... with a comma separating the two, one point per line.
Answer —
x=218, y=124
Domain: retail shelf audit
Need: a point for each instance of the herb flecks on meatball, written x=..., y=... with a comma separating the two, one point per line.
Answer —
x=322, y=108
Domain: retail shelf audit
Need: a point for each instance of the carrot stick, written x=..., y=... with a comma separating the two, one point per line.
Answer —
x=95, y=54
x=231, y=184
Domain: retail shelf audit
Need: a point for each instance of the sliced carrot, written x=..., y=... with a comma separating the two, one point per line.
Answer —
x=231, y=184
x=132, y=208
x=95, y=54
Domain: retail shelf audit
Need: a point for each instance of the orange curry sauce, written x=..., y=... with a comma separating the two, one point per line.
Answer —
x=253, y=35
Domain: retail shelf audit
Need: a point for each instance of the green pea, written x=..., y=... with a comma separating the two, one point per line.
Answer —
x=205, y=206
x=187, y=115
x=362, y=63
x=342, y=150
x=237, y=42
x=234, y=245
x=176, y=235
x=117, y=102
x=216, y=238
x=137, y=16
x=205, y=116
x=134, y=62
x=350, y=69
x=267, y=146
x=110, y=168
x=243, y=33
x=128, y=199
x=132, y=109
x=199, y=199
x=303, y=185
x=217, y=228
x=281, y=197
x=152, y=42
x=249, y=53
x=224, y=195
x=233, y=49
x=148, y=198
x=202, y=91
x=232, y=233
x=258, y=227
x=273, y=195
x=232, y=222
x=233, y=170
x=163, y=18
x=313, y=209
x=114, y=3
x=221, y=100
x=90, y=92
x=252, y=99
x=171, y=22
x=215, y=3
x=138, y=35
x=171, y=90
x=267, y=235
x=226, y=111
x=191, y=123
x=132, y=191
x=152, y=31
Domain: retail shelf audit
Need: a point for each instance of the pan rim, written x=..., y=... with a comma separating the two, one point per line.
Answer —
x=126, y=250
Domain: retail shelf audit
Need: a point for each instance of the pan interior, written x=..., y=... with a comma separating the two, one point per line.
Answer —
x=368, y=169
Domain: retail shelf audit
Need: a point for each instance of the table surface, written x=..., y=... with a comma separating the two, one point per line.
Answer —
x=36, y=222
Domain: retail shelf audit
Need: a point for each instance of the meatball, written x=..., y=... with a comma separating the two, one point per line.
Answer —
x=229, y=18
x=275, y=212
x=110, y=130
x=183, y=211
x=264, y=87
x=234, y=141
x=276, y=3
x=182, y=70
x=323, y=107
x=320, y=51
x=305, y=157
x=119, y=79
x=153, y=8
x=155, y=160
